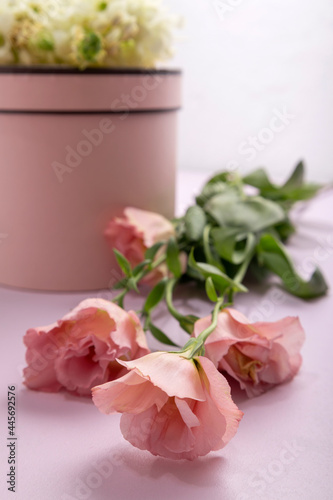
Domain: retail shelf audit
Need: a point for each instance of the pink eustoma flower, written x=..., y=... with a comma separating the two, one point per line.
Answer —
x=172, y=406
x=258, y=355
x=79, y=351
x=135, y=232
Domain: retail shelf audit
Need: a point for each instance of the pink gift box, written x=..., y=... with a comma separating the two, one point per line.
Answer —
x=77, y=147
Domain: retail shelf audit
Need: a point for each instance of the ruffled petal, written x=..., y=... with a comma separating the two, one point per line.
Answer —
x=184, y=407
x=78, y=371
x=278, y=369
x=152, y=226
x=289, y=328
x=163, y=433
x=41, y=353
x=128, y=394
x=174, y=374
x=176, y=436
x=219, y=391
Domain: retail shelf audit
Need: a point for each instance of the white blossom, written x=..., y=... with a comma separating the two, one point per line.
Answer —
x=82, y=33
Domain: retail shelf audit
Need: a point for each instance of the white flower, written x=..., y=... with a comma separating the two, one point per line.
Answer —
x=85, y=32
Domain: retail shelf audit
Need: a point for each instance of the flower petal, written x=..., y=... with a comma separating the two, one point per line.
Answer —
x=190, y=419
x=152, y=226
x=173, y=373
x=128, y=394
x=78, y=371
x=77, y=352
x=219, y=390
x=41, y=353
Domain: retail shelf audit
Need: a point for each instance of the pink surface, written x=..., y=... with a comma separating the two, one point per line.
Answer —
x=283, y=449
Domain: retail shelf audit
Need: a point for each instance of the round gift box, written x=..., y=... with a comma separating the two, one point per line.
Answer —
x=76, y=148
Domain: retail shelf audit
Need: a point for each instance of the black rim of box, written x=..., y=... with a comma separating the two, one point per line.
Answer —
x=68, y=70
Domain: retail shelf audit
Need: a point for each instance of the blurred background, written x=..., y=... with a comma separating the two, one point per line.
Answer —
x=258, y=85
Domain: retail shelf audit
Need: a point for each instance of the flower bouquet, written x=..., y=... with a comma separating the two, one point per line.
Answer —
x=85, y=33
x=178, y=403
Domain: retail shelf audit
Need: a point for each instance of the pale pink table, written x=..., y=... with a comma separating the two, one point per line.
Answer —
x=283, y=449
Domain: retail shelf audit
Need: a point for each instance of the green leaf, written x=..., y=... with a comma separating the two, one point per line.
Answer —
x=259, y=180
x=123, y=263
x=223, y=177
x=137, y=269
x=210, y=290
x=151, y=252
x=242, y=269
x=221, y=281
x=252, y=215
x=296, y=179
x=302, y=193
x=294, y=189
x=120, y=284
x=233, y=245
x=285, y=229
x=45, y=42
x=160, y=336
x=187, y=323
x=258, y=272
x=154, y=297
x=220, y=177
x=131, y=284
x=172, y=258
x=211, y=190
x=195, y=221
x=273, y=255
x=209, y=251
x=90, y=46
x=102, y=6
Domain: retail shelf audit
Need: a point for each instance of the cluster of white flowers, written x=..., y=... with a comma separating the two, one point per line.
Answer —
x=82, y=33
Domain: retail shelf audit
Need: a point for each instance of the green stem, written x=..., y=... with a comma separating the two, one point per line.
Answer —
x=119, y=299
x=208, y=253
x=153, y=266
x=243, y=268
x=195, y=347
x=231, y=296
x=215, y=315
x=168, y=298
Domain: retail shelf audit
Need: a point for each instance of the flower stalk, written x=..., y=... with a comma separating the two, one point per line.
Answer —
x=196, y=347
x=227, y=234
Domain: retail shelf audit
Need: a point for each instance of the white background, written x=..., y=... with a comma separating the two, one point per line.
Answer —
x=239, y=66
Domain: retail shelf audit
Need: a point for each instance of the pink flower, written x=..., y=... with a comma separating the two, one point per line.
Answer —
x=172, y=406
x=257, y=355
x=79, y=351
x=136, y=231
